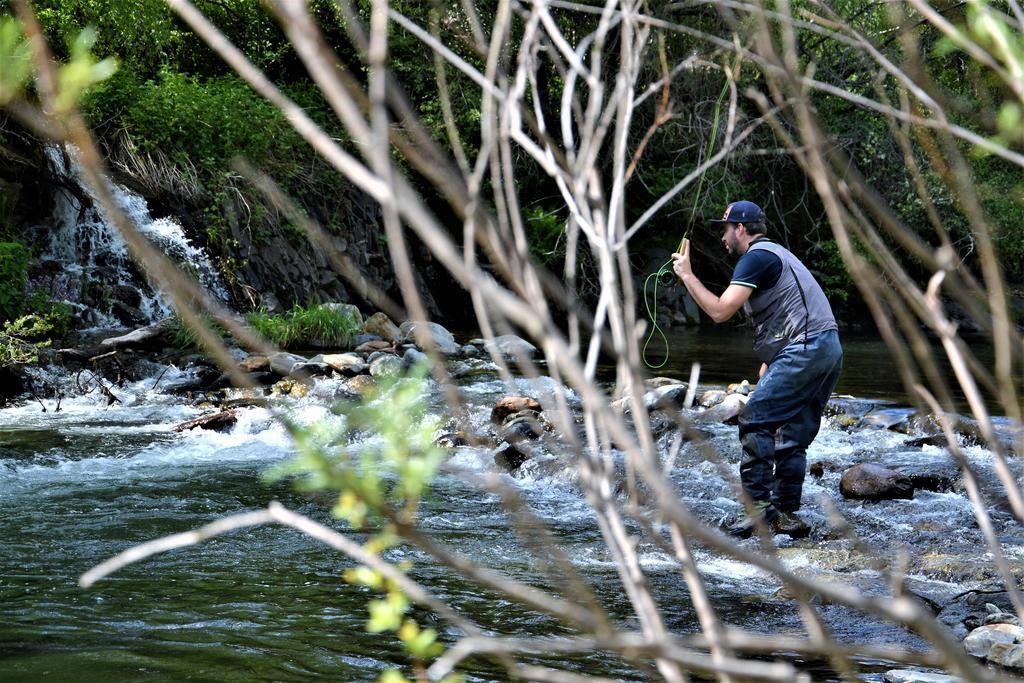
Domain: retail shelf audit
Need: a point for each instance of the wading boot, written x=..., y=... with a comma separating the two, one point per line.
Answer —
x=764, y=513
x=789, y=524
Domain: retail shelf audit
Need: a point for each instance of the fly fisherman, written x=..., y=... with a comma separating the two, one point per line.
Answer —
x=796, y=340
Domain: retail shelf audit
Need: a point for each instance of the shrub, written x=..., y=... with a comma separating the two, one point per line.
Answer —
x=14, y=260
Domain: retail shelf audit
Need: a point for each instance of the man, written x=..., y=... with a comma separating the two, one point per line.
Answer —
x=797, y=341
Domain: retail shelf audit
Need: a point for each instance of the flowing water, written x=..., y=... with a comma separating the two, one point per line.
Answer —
x=91, y=252
x=267, y=604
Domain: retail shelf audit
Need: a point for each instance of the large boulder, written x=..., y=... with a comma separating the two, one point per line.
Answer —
x=442, y=339
x=349, y=310
x=380, y=324
x=868, y=481
x=1001, y=644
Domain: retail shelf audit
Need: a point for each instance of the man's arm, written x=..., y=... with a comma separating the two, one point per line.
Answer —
x=718, y=308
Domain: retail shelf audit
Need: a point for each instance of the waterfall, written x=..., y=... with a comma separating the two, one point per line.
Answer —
x=87, y=252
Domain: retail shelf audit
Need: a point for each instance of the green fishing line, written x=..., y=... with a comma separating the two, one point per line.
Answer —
x=667, y=267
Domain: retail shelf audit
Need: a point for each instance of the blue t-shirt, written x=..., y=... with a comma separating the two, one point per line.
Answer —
x=757, y=269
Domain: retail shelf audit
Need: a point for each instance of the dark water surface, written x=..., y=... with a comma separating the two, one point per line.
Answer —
x=267, y=604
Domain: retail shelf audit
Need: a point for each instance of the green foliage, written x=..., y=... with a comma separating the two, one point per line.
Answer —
x=831, y=273
x=184, y=337
x=15, y=60
x=14, y=260
x=321, y=325
x=22, y=339
x=546, y=232
x=202, y=122
x=82, y=71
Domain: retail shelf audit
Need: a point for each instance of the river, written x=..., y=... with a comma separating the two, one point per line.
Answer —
x=267, y=604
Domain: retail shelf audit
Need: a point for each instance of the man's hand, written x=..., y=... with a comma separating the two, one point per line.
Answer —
x=681, y=261
x=764, y=369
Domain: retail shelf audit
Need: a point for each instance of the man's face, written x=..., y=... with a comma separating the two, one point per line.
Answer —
x=730, y=239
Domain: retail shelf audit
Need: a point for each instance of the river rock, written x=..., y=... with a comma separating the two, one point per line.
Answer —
x=909, y=676
x=525, y=424
x=471, y=367
x=442, y=338
x=938, y=440
x=386, y=365
x=363, y=337
x=656, y=382
x=371, y=346
x=510, y=457
x=348, y=364
x=666, y=396
x=217, y=422
x=727, y=412
x=471, y=351
x=741, y=388
x=291, y=387
x=998, y=643
x=283, y=363
x=968, y=611
x=507, y=345
x=894, y=419
x=868, y=481
x=350, y=310
x=309, y=368
x=254, y=363
x=711, y=397
x=362, y=385
x=154, y=335
x=513, y=404
x=381, y=325
x=451, y=440
x=413, y=356
x=820, y=467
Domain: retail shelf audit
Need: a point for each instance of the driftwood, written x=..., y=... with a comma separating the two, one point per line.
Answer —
x=225, y=419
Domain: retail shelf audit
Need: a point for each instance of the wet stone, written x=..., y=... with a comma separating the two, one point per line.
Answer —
x=513, y=404
x=868, y=481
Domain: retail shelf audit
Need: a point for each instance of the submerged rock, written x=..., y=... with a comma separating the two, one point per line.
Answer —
x=510, y=457
x=868, y=481
x=525, y=424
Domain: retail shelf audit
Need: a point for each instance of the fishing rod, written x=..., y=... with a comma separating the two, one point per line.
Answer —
x=666, y=268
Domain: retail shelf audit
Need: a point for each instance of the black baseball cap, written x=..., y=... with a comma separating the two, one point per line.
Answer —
x=741, y=212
